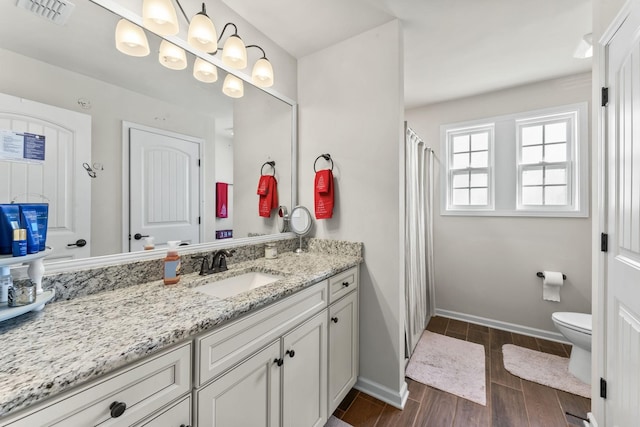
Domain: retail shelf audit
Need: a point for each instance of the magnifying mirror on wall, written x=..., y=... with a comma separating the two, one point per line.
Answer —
x=300, y=223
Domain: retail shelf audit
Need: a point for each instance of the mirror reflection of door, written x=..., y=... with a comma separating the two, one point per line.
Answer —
x=164, y=187
x=60, y=180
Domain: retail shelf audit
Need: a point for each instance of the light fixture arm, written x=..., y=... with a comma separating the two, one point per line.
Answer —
x=235, y=30
x=183, y=13
x=264, y=55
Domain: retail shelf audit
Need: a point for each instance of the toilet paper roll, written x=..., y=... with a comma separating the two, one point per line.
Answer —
x=551, y=285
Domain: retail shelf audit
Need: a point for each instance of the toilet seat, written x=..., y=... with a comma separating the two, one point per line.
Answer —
x=579, y=322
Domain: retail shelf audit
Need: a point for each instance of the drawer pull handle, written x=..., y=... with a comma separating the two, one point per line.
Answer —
x=290, y=353
x=334, y=319
x=345, y=284
x=117, y=409
x=278, y=362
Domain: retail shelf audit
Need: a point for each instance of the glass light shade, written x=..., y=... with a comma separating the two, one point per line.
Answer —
x=205, y=71
x=160, y=17
x=172, y=56
x=233, y=86
x=130, y=39
x=234, y=53
x=585, y=47
x=262, y=74
x=202, y=34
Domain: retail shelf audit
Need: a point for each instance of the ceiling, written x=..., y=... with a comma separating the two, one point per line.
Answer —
x=452, y=48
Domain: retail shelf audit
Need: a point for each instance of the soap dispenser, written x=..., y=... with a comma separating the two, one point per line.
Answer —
x=5, y=283
x=172, y=264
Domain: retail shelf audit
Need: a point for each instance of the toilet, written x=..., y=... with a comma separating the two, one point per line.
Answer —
x=576, y=327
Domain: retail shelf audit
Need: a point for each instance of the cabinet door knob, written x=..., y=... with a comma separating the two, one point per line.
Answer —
x=117, y=409
x=290, y=353
x=184, y=425
x=278, y=362
x=334, y=319
x=345, y=284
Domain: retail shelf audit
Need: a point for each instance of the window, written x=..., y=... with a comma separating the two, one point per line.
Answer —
x=545, y=157
x=469, y=160
x=526, y=164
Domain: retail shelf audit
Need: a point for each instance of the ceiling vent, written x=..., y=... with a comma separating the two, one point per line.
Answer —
x=57, y=11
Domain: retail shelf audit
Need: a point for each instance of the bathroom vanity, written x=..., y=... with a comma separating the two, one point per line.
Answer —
x=283, y=354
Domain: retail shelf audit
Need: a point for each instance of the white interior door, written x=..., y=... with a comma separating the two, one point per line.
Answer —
x=622, y=353
x=164, y=182
x=60, y=180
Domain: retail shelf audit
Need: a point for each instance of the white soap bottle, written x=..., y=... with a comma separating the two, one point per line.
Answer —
x=6, y=282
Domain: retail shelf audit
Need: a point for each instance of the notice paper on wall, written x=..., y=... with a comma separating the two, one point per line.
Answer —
x=21, y=146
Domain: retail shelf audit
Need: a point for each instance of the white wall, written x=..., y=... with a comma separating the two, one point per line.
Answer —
x=262, y=133
x=223, y=159
x=351, y=106
x=486, y=266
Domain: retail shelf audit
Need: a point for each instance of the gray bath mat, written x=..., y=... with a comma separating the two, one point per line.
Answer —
x=543, y=368
x=450, y=365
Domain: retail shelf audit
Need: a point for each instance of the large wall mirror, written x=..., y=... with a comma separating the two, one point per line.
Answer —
x=110, y=181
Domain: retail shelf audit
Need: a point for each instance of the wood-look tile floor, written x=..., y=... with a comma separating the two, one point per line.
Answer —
x=511, y=401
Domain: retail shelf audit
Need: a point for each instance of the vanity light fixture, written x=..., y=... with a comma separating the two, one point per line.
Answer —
x=205, y=71
x=202, y=33
x=160, y=17
x=233, y=87
x=262, y=73
x=130, y=39
x=234, y=53
x=585, y=47
x=172, y=56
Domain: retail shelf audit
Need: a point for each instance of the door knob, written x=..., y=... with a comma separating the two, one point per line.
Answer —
x=79, y=243
x=139, y=236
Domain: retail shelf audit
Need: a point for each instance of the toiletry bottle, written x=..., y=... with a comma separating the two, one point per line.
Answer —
x=172, y=264
x=5, y=283
x=19, y=242
x=148, y=243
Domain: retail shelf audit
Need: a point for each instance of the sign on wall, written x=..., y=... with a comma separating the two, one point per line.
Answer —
x=21, y=147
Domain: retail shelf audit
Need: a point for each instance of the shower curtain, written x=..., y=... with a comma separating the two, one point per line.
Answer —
x=419, y=286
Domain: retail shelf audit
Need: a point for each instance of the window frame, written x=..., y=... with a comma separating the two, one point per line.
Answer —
x=451, y=171
x=505, y=175
x=571, y=120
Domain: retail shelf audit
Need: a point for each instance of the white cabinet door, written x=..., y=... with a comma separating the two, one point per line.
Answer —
x=305, y=376
x=246, y=396
x=343, y=348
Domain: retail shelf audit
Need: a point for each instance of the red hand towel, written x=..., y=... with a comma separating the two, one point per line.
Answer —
x=263, y=185
x=268, y=200
x=222, y=197
x=323, y=194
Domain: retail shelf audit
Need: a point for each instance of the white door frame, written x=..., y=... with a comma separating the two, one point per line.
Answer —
x=600, y=209
x=126, y=126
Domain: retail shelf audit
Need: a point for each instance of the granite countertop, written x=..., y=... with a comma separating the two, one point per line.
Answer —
x=71, y=342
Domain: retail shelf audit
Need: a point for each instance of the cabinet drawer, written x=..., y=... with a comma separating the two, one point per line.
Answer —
x=178, y=414
x=144, y=387
x=342, y=283
x=223, y=348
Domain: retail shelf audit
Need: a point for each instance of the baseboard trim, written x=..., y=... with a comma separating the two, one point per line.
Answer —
x=392, y=397
x=505, y=326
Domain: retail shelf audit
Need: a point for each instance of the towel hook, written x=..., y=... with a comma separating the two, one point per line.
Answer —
x=540, y=274
x=270, y=163
x=327, y=157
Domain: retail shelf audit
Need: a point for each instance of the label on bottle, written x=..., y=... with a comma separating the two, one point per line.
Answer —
x=171, y=269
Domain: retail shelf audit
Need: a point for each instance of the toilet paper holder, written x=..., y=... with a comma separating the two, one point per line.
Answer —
x=540, y=274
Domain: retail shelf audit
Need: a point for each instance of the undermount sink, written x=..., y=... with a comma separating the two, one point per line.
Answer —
x=235, y=285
